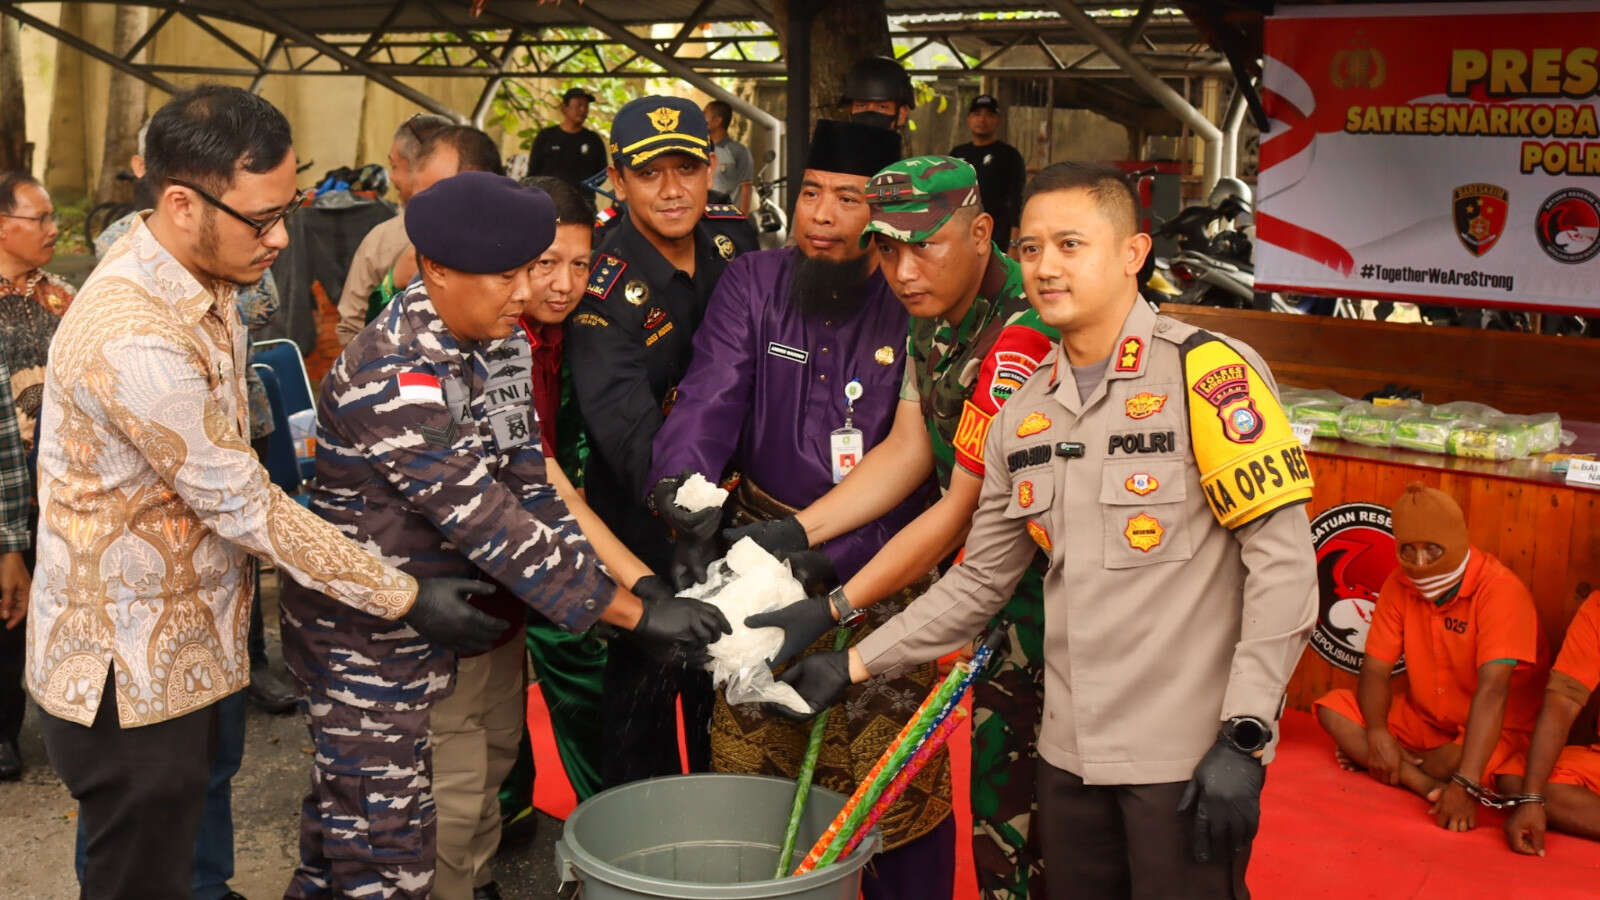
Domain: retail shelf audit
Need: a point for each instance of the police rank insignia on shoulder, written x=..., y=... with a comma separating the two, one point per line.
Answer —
x=724, y=246
x=636, y=292
x=1033, y=423
x=607, y=269
x=1129, y=352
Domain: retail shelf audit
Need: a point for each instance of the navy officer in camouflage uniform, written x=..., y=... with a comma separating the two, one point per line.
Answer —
x=428, y=455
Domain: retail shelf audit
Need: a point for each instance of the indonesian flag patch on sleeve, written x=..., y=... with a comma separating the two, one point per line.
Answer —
x=420, y=387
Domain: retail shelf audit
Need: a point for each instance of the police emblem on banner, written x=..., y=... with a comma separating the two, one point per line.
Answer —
x=1354, y=543
x=1568, y=225
x=1480, y=216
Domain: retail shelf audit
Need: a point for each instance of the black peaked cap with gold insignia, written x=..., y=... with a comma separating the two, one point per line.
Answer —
x=650, y=126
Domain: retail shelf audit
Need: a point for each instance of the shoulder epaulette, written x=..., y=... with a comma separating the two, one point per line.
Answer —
x=723, y=211
x=607, y=270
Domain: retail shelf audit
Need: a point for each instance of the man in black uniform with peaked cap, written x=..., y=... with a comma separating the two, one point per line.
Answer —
x=628, y=345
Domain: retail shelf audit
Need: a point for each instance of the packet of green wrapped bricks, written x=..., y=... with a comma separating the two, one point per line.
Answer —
x=1363, y=423
x=1495, y=437
x=1319, y=409
x=1462, y=410
x=1419, y=430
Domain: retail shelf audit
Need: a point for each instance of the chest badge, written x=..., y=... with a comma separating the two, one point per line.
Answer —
x=654, y=317
x=724, y=246
x=1144, y=404
x=1033, y=423
x=1039, y=535
x=884, y=355
x=1129, y=353
x=1025, y=494
x=1141, y=483
x=636, y=292
x=1144, y=532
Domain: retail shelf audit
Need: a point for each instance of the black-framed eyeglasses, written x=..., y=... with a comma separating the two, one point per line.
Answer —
x=261, y=226
x=39, y=220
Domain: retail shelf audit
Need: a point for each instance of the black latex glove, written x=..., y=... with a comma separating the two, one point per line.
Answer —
x=802, y=621
x=785, y=535
x=1225, y=797
x=811, y=568
x=652, y=588
x=679, y=628
x=697, y=526
x=442, y=614
x=690, y=559
x=820, y=679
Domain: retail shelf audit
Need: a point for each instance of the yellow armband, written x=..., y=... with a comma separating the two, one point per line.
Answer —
x=1250, y=461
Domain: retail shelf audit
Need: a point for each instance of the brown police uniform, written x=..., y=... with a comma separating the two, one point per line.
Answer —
x=1180, y=592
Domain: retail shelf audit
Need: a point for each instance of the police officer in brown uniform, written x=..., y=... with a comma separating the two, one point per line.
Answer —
x=1153, y=464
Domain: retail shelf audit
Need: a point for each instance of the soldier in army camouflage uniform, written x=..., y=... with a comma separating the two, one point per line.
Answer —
x=429, y=455
x=973, y=341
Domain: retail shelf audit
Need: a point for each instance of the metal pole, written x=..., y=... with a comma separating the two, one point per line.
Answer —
x=1230, y=133
x=83, y=46
x=266, y=62
x=798, y=96
x=673, y=67
x=280, y=26
x=1152, y=84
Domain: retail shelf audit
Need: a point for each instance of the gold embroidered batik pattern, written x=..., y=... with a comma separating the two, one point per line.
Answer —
x=151, y=502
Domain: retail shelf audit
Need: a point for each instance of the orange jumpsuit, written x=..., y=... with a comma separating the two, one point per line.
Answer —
x=1579, y=660
x=1492, y=617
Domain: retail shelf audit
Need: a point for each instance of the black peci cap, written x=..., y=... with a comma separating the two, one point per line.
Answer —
x=481, y=222
x=852, y=148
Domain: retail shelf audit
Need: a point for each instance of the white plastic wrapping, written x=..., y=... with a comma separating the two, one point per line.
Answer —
x=747, y=581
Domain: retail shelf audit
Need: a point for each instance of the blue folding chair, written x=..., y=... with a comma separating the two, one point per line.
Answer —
x=283, y=356
x=281, y=465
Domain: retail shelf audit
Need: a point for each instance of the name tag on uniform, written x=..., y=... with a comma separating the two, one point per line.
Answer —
x=511, y=427
x=455, y=397
x=782, y=351
x=505, y=393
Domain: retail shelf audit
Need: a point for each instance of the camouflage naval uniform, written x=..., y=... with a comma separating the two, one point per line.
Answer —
x=961, y=375
x=428, y=455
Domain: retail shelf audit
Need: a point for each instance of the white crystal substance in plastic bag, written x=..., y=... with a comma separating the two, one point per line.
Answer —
x=696, y=493
x=747, y=581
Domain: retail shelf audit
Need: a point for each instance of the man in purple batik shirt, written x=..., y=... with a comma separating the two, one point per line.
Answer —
x=796, y=374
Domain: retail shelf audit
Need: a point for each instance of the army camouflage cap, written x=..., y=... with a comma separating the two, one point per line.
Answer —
x=913, y=198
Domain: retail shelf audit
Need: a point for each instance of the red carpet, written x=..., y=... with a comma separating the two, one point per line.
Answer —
x=1325, y=833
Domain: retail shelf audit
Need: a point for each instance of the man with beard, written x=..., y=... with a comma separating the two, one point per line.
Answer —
x=798, y=345
x=974, y=340
x=628, y=346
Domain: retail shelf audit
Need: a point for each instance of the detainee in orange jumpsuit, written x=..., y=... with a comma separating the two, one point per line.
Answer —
x=1567, y=777
x=1474, y=657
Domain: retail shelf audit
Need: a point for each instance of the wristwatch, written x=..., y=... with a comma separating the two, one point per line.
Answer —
x=1247, y=734
x=847, y=614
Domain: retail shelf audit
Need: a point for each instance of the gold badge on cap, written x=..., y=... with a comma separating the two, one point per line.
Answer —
x=724, y=246
x=665, y=119
x=636, y=292
x=884, y=356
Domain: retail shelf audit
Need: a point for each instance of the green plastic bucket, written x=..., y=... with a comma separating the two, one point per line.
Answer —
x=702, y=836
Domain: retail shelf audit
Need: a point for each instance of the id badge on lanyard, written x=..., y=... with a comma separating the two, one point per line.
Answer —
x=847, y=445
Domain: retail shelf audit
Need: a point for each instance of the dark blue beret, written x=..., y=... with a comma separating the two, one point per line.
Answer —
x=649, y=126
x=481, y=222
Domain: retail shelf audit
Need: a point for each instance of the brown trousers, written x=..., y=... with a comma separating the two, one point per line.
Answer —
x=1125, y=841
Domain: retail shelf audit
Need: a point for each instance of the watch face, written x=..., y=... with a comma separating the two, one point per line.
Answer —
x=1249, y=734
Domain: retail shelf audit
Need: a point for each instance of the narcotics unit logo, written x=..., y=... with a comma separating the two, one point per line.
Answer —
x=1354, y=543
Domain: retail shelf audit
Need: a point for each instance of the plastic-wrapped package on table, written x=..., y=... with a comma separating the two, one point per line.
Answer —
x=1319, y=409
x=747, y=581
x=1363, y=423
